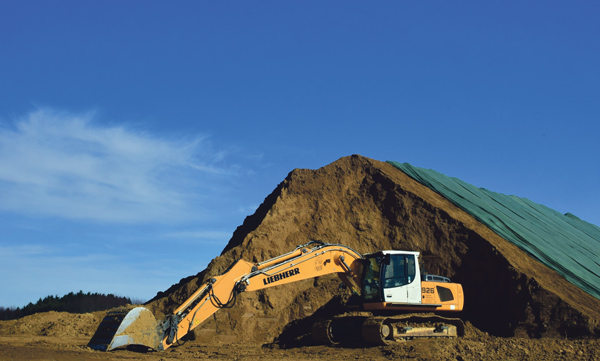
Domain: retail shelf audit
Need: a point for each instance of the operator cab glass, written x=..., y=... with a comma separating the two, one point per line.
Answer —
x=400, y=270
x=371, y=289
x=385, y=271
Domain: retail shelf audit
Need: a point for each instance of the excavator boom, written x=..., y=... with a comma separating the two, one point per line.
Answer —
x=306, y=261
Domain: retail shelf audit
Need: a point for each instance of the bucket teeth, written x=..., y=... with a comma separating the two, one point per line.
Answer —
x=121, y=328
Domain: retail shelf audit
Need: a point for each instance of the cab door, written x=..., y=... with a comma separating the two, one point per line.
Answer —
x=401, y=282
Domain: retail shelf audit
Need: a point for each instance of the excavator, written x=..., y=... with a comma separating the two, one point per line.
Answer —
x=396, y=300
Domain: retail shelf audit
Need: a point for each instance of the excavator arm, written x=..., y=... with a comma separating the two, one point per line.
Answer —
x=307, y=261
x=310, y=260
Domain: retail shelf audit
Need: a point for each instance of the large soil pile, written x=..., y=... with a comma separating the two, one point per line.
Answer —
x=367, y=205
x=371, y=205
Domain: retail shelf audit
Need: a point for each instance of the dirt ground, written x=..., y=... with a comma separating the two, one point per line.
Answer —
x=474, y=346
x=64, y=336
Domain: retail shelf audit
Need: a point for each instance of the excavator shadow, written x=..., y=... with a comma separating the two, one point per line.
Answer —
x=298, y=333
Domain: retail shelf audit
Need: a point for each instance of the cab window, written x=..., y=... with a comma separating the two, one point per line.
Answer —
x=371, y=290
x=400, y=270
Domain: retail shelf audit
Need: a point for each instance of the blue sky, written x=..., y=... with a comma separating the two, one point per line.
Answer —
x=136, y=136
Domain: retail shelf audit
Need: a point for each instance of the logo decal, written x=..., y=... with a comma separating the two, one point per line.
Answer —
x=280, y=276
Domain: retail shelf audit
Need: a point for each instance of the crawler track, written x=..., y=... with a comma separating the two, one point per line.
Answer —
x=367, y=329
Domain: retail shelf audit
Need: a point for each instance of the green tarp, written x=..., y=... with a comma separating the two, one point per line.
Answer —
x=562, y=242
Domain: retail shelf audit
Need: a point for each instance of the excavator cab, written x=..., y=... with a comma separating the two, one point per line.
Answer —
x=391, y=276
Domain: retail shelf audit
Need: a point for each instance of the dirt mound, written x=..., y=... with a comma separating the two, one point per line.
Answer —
x=370, y=205
x=59, y=324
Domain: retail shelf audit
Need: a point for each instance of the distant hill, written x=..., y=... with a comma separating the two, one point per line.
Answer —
x=72, y=302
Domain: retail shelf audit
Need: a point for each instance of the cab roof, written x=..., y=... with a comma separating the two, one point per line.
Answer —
x=415, y=253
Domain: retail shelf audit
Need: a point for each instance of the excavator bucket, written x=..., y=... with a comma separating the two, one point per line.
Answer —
x=124, y=328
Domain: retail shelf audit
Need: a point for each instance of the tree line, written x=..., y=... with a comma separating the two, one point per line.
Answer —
x=72, y=302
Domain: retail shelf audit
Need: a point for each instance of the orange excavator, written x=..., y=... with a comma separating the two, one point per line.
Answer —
x=396, y=300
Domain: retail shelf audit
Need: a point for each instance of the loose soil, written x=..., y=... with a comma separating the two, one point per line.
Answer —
x=515, y=308
x=24, y=339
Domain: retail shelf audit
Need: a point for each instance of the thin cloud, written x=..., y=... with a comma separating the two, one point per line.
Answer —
x=65, y=165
